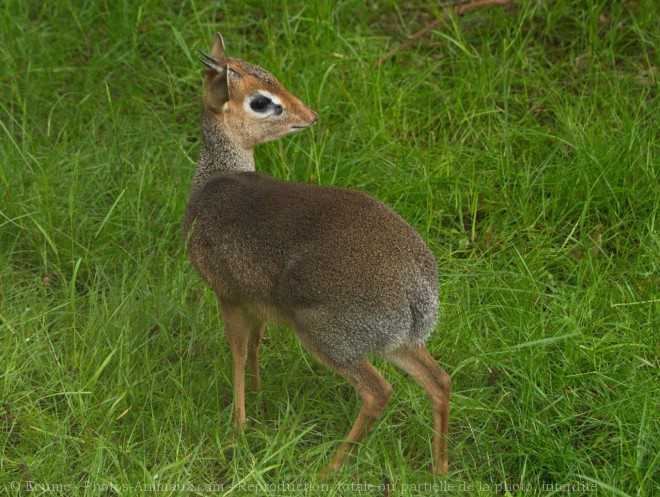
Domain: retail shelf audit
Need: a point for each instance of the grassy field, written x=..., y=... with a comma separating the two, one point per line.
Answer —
x=523, y=143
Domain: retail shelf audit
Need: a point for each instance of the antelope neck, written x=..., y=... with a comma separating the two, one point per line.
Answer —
x=219, y=153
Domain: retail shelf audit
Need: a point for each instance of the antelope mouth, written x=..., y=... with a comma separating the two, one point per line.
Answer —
x=306, y=124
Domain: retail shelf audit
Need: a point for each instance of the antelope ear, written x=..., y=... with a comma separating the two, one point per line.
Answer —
x=218, y=94
x=218, y=50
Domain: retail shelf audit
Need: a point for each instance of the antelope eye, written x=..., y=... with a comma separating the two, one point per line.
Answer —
x=260, y=103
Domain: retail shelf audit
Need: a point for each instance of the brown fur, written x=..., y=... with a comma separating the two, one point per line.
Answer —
x=340, y=268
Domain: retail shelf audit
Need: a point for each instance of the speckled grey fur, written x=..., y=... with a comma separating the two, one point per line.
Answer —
x=216, y=145
x=346, y=272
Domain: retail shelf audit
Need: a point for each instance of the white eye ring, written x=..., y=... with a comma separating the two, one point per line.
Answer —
x=275, y=102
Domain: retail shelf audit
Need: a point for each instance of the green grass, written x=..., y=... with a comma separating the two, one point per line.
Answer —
x=522, y=143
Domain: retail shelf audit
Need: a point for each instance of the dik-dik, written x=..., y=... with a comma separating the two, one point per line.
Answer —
x=342, y=270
